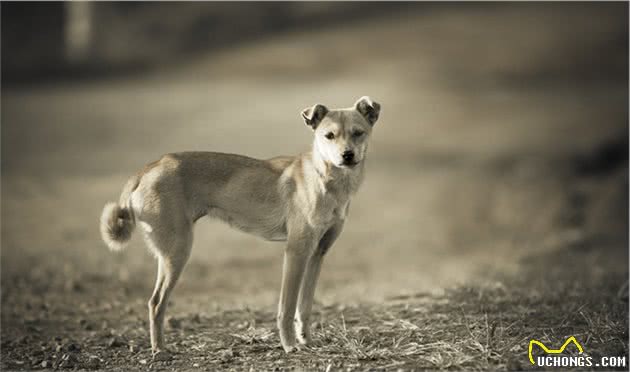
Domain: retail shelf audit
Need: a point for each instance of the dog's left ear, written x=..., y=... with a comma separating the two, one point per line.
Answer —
x=313, y=115
x=368, y=108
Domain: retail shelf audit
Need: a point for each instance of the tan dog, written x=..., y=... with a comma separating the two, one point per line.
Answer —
x=302, y=200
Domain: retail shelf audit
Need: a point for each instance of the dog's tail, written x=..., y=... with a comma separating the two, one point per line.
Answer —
x=118, y=219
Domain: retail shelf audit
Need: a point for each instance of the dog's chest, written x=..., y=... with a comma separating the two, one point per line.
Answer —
x=326, y=209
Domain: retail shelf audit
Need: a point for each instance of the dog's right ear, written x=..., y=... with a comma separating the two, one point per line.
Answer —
x=313, y=115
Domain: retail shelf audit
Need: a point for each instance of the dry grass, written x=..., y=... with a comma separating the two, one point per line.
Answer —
x=481, y=327
x=485, y=326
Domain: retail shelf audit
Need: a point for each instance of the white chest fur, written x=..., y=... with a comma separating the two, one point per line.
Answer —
x=320, y=194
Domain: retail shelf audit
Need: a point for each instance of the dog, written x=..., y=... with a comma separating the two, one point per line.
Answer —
x=301, y=199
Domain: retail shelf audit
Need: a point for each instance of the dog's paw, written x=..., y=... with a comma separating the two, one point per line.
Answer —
x=297, y=348
x=290, y=348
x=302, y=332
x=287, y=339
x=304, y=338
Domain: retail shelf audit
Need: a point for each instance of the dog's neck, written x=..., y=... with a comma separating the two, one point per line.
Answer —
x=333, y=177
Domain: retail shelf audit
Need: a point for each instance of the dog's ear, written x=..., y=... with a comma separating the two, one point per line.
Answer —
x=368, y=109
x=313, y=115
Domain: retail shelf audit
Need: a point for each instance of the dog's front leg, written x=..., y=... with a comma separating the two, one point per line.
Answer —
x=309, y=283
x=299, y=249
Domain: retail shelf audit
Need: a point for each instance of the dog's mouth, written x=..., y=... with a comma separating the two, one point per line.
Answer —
x=349, y=165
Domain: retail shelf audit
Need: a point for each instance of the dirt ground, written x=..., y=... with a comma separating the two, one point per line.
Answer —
x=497, y=176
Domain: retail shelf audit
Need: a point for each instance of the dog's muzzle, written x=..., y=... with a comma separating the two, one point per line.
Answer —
x=348, y=159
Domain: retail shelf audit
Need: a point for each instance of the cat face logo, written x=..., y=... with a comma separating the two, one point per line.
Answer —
x=553, y=351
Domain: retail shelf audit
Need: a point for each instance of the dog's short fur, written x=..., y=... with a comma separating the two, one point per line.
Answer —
x=302, y=200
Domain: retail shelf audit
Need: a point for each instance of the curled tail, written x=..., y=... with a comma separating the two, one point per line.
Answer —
x=117, y=224
x=118, y=220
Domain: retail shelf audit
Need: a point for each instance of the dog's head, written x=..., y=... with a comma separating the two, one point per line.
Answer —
x=341, y=135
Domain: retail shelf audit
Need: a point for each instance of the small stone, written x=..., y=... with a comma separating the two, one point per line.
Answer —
x=143, y=361
x=44, y=364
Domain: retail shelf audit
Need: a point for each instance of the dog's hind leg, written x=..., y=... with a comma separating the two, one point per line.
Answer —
x=156, y=336
x=173, y=249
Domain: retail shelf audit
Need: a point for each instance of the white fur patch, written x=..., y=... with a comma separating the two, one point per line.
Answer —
x=146, y=227
x=106, y=233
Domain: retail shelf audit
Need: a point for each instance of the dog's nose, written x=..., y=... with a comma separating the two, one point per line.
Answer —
x=348, y=156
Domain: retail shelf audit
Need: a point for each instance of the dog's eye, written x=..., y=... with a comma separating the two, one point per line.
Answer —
x=330, y=135
x=357, y=133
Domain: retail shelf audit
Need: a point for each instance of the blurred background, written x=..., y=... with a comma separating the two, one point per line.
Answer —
x=503, y=140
